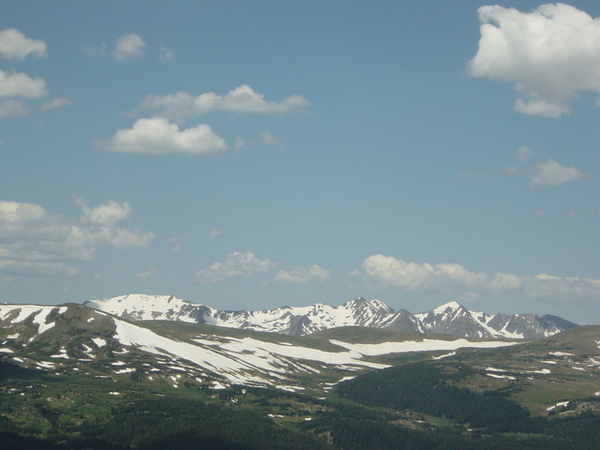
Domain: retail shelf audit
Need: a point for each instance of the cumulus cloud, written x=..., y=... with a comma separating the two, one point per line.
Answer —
x=389, y=272
x=242, y=99
x=34, y=242
x=18, y=84
x=106, y=215
x=550, y=54
x=14, y=44
x=129, y=47
x=551, y=173
x=56, y=103
x=158, y=136
x=236, y=265
x=302, y=275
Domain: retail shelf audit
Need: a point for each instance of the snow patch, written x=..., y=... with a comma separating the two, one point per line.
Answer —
x=443, y=356
x=504, y=377
x=558, y=405
x=62, y=354
x=99, y=342
x=543, y=371
x=417, y=346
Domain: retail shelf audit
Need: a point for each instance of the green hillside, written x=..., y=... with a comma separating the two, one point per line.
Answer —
x=75, y=385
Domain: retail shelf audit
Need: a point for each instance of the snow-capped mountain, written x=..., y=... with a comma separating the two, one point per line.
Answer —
x=450, y=318
x=73, y=338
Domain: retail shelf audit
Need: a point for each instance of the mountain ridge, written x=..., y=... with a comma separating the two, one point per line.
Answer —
x=449, y=318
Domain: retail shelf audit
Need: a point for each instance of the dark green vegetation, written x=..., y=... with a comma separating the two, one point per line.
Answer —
x=535, y=395
x=412, y=406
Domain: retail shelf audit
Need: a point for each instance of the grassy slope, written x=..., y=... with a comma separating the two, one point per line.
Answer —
x=67, y=403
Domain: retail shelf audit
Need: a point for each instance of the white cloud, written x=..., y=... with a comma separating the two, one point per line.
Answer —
x=13, y=107
x=540, y=108
x=562, y=289
x=550, y=54
x=215, y=233
x=175, y=244
x=56, y=103
x=34, y=242
x=389, y=272
x=14, y=44
x=106, y=215
x=159, y=136
x=523, y=154
x=267, y=138
x=242, y=99
x=302, y=275
x=551, y=173
x=236, y=265
x=18, y=84
x=129, y=47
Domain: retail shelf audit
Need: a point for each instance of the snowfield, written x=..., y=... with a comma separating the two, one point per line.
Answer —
x=239, y=360
x=426, y=345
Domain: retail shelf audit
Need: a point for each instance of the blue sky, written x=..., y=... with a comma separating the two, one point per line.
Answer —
x=249, y=155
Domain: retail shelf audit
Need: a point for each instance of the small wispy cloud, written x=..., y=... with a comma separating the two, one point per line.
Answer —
x=302, y=275
x=551, y=173
x=56, y=103
x=236, y=265
x=215, y=233
x=241, y=100
x=175, y=244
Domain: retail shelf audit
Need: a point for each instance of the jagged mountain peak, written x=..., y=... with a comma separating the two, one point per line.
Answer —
x=449, y=318
x=452, y=306
x=362, y=303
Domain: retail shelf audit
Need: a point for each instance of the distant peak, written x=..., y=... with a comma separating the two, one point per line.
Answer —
x=450, y=305
x=363, y=303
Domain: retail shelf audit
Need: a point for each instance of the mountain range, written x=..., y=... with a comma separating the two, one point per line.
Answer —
x=450, y=318
x=72, y=337
x=72, y=376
